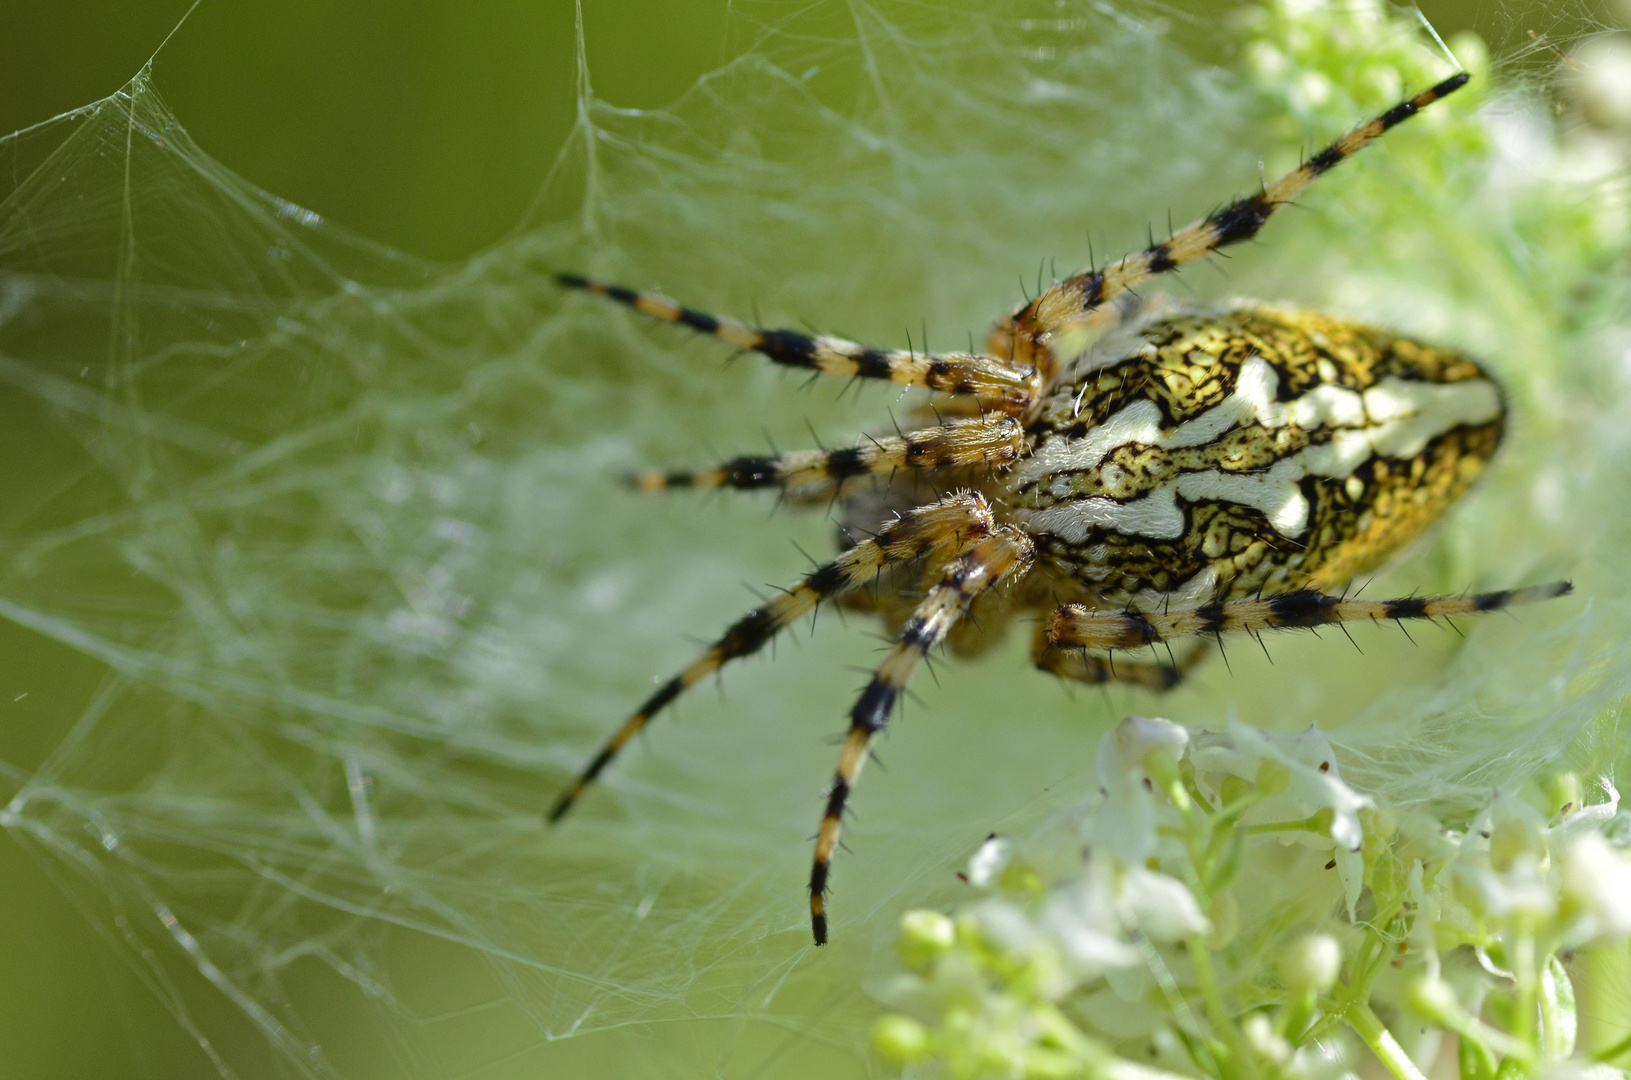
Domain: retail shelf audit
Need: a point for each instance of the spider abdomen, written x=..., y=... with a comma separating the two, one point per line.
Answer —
x=1260, y=448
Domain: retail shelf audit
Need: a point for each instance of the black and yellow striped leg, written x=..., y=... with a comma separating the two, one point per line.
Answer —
x=992, y=441
x=992, y=381
x=1078, y=665
x=941, y=530
x=1000, y=557
x=1076, y=626
x=1076, y=298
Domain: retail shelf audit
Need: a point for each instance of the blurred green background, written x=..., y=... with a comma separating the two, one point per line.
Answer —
x=424, y=126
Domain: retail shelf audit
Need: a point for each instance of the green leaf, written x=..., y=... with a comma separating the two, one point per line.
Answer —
x=1558, y=1023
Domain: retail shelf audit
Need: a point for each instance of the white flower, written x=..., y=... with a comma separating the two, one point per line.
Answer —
x=1125, y=824
x=1161, y=907
x=1081, y=917
x=1501, y=869
x=1097, y=918
x=988, y=861
x=1596, y=883
x=1315, y=785
x=1135, y=738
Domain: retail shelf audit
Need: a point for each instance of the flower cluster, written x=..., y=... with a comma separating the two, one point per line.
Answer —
x=1319, y=64
x=1229, y=907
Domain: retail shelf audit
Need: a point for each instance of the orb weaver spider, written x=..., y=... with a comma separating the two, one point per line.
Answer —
x=1219, y=472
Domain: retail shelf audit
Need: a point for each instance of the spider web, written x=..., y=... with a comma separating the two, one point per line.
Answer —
x=346, y=531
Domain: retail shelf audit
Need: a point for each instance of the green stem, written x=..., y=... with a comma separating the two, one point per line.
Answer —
x=1381, y=1042
x=1528, y=984
x=1307, y=824
x=1619, y=1049
x=1217, y=1010
x=1228, y=812
x=1197, y=833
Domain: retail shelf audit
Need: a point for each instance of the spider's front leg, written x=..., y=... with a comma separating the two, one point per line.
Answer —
x=996, y=384
x=1002, y=556
x=1084, y=296
x=1077, y=626
x=937, y=532
x=992, y=441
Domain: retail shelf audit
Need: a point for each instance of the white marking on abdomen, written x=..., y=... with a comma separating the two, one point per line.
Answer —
x=1201, y=588
x=1136, y=422
x=1408, y=415
x=1140, y=422
x=1396, y=418
x=1156, y=515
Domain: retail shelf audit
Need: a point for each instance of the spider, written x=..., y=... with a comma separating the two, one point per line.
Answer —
x=1189, y=475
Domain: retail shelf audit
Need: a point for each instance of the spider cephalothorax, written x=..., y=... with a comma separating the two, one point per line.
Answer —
x=1192, y=475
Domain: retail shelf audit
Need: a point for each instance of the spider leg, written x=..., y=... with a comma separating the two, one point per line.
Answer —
x=1077, y=297
x=1076, y=664
x=989, y=380
x=1076, y=626
x=1023, y=346
x=1001, y=556
x=996, y=440
x=943, y=529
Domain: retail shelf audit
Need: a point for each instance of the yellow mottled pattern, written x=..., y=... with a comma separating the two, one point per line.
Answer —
x=1190, y=364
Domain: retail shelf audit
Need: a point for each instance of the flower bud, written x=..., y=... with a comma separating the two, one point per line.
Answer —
x=899, y=1040
x=1563, y=794
x=1433, y=998
x=924, y=935
x=1234, y=789
x=1272, y=777
x=1138, y=738
x=1471, y=51
x=1260, y=1033
x=1311, y=963
x=1601, y=83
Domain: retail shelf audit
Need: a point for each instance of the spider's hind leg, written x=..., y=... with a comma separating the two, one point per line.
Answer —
x=939, y=532
x=1002, y=556
x=1076, y=626
x=1078, y=665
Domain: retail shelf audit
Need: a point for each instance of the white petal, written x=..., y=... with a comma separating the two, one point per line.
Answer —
x=1160, y=906
x=988, y=861
x=1315, y=781
x=1596, y=877
x=1589, y=818
x=1125, y=825
x=1136, y=737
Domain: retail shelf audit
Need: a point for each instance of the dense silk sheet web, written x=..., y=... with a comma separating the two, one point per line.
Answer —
x=346, y=528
